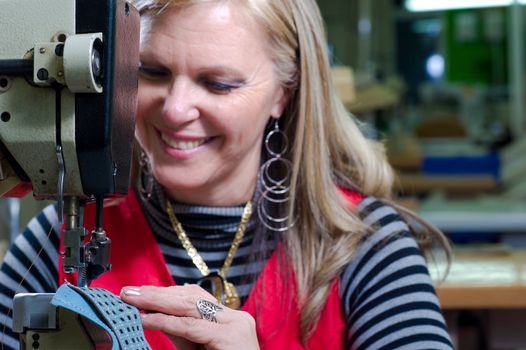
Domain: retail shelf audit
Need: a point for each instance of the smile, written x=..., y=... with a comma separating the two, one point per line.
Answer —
x=182, y=145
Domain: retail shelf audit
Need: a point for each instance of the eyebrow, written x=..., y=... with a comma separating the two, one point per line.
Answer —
x=153, y=59
x=222, y=70
x=150, y=54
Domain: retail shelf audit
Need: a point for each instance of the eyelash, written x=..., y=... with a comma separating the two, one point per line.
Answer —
x=161, y=73
x=155, y=73
x=219, y=87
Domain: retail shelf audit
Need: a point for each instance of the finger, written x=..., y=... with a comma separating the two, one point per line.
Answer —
x=190, y=328
x=187, y=289
x=212, y=335
x=176, y=300
x=171, y=301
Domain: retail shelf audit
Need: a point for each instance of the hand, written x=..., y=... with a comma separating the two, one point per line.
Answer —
x=173, y=310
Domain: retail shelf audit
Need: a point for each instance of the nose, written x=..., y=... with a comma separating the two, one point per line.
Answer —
x=180, y=103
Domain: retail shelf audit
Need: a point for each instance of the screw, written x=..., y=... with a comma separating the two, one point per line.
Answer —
x=3, y=82
x=60, y=73
x=62, y=37
x=59, y=50
x=42, y=50
x=5, y=116
x=42, y=74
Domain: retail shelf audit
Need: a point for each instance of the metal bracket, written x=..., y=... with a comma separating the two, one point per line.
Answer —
x=48, y=64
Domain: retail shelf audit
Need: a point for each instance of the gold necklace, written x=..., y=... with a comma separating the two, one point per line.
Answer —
x=230, y=297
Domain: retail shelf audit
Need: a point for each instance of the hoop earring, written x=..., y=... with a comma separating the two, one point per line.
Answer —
x=275, y=175
x=145, y=180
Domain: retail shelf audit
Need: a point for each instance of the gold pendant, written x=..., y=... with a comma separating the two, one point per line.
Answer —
x=231, y=297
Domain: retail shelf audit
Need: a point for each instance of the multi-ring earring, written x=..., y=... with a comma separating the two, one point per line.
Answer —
x=275, y=180
x=145, y=180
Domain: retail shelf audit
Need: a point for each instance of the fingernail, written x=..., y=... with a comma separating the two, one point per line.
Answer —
x=143, y=316
x=131, y=291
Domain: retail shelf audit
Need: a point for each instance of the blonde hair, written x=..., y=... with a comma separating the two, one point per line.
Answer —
x=328, y=149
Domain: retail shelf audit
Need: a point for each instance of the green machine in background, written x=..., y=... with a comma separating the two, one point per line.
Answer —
x=476, y=46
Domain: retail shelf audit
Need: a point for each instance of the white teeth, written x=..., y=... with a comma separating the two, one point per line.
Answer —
x=182, y=145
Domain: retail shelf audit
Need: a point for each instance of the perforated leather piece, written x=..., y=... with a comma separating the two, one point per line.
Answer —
x=121, y=318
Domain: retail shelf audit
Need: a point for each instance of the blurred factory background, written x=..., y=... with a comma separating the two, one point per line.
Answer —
x=443, y=84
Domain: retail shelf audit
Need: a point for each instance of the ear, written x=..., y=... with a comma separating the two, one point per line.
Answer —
x=281, y=99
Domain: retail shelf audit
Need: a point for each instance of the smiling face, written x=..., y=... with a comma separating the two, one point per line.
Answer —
x=207, y=90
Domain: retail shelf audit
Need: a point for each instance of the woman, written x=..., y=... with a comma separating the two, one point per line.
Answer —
x=258, y=190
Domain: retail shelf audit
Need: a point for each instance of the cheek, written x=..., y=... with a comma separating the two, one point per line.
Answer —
x=247, y=114
x=146, y=98
x=241, y=126
x=145, y=111
x=140, y=119
x=149, y=101
x=246, y=133
x=140, y=134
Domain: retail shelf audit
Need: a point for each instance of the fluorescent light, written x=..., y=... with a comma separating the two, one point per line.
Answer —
x=440, y=5
x=435, y=66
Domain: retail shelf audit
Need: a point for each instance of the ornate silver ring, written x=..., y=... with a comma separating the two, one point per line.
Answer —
x=208, y=310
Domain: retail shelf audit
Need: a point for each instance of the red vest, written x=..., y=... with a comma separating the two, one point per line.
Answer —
x=137, y=260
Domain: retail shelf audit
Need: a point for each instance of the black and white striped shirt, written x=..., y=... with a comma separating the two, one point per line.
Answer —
x=387, y=293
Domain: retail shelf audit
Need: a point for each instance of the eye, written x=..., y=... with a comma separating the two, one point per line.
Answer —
x=219, y=87
x=154, y=73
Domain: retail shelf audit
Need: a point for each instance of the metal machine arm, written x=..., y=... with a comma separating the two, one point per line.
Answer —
x=68, y=94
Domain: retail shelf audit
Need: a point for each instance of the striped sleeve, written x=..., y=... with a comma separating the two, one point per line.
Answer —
x=387, y=293
x=30, y=266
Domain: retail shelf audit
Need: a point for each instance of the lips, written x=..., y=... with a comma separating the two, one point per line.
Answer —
x=183, y=145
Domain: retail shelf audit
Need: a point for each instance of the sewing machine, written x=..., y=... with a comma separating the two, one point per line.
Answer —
x=68, y=94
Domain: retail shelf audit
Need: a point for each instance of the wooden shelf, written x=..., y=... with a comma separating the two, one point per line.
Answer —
x=373, y=98
x=482, y=221
x=485, y=281
x=405, y=161
x=419, y=184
